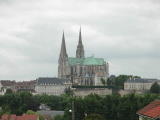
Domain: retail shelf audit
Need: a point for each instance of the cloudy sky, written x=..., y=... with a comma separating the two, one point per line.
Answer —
x=124, y=32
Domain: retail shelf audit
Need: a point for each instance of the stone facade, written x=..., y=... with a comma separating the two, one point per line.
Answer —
x=81, y=70
x=99, y=91
x=51, y=86
x=6, y=84
x=28, y=86
x=139, y=84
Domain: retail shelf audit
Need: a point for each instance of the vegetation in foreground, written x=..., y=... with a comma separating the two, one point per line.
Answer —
x=109, y=107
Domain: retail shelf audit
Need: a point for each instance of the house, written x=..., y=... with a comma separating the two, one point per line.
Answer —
x=6, y=84
x=23, y=117
x=51, y=86
x=150, y=112
x=139, y=84
x=44, y=107
x=28, y=86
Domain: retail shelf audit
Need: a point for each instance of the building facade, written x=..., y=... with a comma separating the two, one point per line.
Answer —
x=51, y=86
x=139, y=84
x=6, y=84
x=81, y=70
x=28, y=86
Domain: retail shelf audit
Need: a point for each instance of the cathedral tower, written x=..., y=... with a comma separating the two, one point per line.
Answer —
x=63, y=59
x=80, y=48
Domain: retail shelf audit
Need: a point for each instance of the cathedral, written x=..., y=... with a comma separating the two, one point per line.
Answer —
x=81, y=70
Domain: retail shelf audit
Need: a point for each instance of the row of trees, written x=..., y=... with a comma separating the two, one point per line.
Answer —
x=155, y=88
x=109, y=107
x=18, y=103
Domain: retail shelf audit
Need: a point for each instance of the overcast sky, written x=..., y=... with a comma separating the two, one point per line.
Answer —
x=124, y=32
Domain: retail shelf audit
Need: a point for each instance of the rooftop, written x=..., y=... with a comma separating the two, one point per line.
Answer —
x=152, y=110
x=141, y=80
x=86, y=61
x=49, y=80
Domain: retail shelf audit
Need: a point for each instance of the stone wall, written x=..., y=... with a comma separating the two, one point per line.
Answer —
x=86, y=91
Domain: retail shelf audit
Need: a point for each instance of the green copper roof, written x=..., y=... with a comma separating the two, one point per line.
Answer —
x=86, y=61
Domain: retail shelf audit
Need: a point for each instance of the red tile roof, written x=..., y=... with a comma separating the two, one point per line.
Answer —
x=152, y=110
x=13, y=117
x=23, y=117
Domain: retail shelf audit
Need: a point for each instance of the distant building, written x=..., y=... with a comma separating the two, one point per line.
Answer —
x=51, y=86
x=139, y=84
x=28, y=86
x=6, y=84
x=99, y=76
x=150, y=112
x=44, y=107
x=81, y=70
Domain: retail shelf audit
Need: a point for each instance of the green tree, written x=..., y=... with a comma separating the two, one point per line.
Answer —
x=69, y=92
x=155, y=88
x=103, y=81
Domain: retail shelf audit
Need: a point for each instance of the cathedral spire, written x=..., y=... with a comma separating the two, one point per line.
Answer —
x=80, y=48
x=80, y=37
x=63, y=53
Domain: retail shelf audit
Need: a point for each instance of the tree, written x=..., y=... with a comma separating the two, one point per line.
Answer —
x=69, y=92
x=94, y=117
x=103, y=81
x=155, y=88
x=118, y=82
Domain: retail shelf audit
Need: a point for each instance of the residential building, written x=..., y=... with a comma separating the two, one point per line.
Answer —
x=139, y=84
x=28, y=86
x=150, y=112
x=6, y=84
x=51, y=86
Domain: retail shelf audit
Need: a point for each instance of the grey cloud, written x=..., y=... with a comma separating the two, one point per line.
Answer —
x=125, y=33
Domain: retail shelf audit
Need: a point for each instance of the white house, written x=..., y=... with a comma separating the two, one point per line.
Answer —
x=51, y=86
x=139, y=84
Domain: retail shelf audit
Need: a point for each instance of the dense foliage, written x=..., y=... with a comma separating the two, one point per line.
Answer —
x=118, y=81
x=94, y=117
x=109, y=107
x=18, y=103
x=155, y=88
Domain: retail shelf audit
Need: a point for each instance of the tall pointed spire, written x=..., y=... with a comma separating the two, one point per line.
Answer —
x=63, y=58
x=80, y=37
x=80, y=48
x=63, y=53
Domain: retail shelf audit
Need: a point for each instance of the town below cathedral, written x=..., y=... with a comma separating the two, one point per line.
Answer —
x=83, y=75
x=82, y=90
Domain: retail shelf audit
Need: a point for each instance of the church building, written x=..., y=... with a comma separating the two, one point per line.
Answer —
x=81, y=70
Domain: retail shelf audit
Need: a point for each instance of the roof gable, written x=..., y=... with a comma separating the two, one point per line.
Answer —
x=152, y=110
